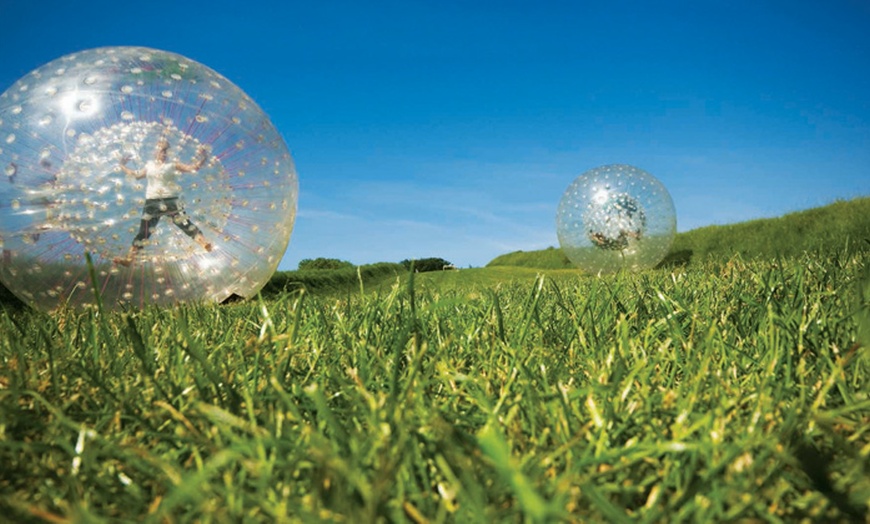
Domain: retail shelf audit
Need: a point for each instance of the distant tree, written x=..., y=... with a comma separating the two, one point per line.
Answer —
x=423, y=265
x=323, y=263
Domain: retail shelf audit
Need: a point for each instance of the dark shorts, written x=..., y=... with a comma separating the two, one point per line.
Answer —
x=155, y=209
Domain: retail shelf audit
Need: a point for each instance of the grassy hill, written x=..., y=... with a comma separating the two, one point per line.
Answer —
x=842, y=226
x=550, y=258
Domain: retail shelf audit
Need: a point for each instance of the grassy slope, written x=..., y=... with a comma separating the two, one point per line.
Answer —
x=550, y=258
x=843, y=225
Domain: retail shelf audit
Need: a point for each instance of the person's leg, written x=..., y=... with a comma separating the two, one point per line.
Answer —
x=146, y=225
x=150, y=218
x=182, y=221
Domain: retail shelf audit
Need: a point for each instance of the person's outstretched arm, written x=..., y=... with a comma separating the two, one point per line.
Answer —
x=135, y=173
x=201, y=157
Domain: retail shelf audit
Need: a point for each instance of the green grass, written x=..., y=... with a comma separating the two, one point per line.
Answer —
x=721, y=391
x=477, y=279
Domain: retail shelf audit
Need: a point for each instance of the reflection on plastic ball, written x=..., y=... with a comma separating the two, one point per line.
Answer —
x=616, y=217
x=165, y=174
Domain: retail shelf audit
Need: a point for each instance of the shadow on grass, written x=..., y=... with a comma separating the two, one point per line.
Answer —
x=675, y=259
x=9, y=301
x=816, y=465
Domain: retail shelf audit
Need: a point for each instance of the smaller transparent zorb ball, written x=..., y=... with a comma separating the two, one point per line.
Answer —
x=169, y=178
x=616, y=217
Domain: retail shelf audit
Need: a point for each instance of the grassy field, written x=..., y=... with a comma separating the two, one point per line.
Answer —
x=721, y=388
x=716, y=392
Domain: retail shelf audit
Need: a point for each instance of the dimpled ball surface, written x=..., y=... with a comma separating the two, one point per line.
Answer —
x=616, y=217
x=69, y=212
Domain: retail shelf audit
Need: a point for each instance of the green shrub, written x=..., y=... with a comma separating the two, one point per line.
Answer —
x=323, y=263
x=424, y=265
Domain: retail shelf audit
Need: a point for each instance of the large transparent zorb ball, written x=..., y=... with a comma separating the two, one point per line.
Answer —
x=166, y=174
x=616, y=217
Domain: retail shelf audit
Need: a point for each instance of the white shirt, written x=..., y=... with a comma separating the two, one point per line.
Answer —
x=162, y=180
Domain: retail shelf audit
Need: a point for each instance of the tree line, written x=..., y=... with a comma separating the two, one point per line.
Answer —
x=421, y=265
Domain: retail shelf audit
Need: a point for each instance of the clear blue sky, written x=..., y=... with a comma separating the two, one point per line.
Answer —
x=451, y=128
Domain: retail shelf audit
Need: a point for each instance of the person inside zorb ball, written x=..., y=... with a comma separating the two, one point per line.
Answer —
x=615, y=217
x=135, y=176
x=161, y=196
